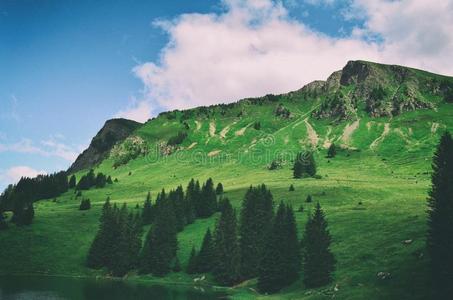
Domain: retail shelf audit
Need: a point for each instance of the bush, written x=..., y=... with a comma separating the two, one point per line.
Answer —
x=85, y=204
x=177, y=139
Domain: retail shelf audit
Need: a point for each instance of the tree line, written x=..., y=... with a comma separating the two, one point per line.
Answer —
x=259, y=243
x=265, y=245
x=168, y=215
x=440, y=220
x=19, y=197
x=90, y=180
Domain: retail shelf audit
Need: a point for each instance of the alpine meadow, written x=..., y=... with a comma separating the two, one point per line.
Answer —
x=318, y=193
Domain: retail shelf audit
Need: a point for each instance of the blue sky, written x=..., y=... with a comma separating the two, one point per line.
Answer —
x=67, y=66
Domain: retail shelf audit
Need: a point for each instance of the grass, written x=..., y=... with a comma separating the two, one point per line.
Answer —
x=391, y=182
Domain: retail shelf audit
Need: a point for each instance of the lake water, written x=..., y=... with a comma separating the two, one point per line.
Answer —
x=62, y=288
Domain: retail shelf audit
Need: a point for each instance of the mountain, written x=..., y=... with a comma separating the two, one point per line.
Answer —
x=113, y=131
x=385, y=121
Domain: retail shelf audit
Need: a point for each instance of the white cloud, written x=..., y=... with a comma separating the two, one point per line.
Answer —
x=254, y=48
x=48, y=148
x=139, y=111
x=13, y=174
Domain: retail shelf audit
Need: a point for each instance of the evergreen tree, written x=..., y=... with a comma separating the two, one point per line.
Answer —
x=177, y=199
x=219, y=189
x=291, y=188
x=85, y=204
x=161, y=243
x=318, y=260
x=205, y=258
x=255, y=224
x=72, y=182
x=208, y=204
x=280, y=262
x=148, y=211
x=440, y=218
x=177, y=265
x=332, y=151
x=109, y=180
x=192, y=264
x=309, y=199
x=100, y=250
x=304, y=165
x=189, y=209
x=226, y=269
x=3, y=224
x=101, y=180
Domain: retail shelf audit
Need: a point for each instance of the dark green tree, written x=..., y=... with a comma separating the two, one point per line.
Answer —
x=192, y=264
x=280, y=262
x=208, y=204
x=304, y=165
x=332, y=151
x=318, y=260
x=161, y=244
x=72, y=182
x=219, y=189
x=255, y=224
x=440, y=218
x=85, y=204
x=205, y=258
x=148, y=211
x=227, y=259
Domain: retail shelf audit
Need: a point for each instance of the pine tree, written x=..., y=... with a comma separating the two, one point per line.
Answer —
x=161, y=243
x=226, y=269
x=318, y=260
x=192, y=264
x=332, y=151
x=189, y=209
x=208, y=203
x=100, y=250
x=219, y=189
x=148, y=211
x=3, y=223
x=205, y=258
x=304, y=165
x=291, y=188
x=440, y=218
x=177, y=265
x=280, y=262
x=72, y=182
x=109, y=180
x=85, y=204
x=255, y=224
x=177, y=199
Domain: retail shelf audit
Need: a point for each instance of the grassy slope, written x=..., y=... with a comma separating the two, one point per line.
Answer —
x=390, y=179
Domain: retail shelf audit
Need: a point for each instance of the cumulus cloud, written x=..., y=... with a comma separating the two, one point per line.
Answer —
x=254, y=48
x=139, y=111
x=47, y=148
x=13, y=174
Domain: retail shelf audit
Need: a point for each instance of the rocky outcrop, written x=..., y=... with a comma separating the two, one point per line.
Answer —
x=113, y=131
x=378, y=89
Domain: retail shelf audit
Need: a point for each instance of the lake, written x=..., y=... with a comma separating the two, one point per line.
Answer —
x=62, y=288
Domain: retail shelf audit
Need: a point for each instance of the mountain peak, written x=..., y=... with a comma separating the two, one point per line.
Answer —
x=113, y=131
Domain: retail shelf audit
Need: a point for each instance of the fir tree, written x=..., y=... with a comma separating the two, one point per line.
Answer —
x=332, y=151
x=219, y=189
x=100, y=250
x=109, y=180
x=148, y=211
x=226, y=269
x=208, y=203
x=177, y=199
x=85, y=204
x=189, y=209
x=291, y=188
x=309, y=199
x=304, y=165
x=440, y=218
x=255, y=224
x=177, y=265
x=205, y=258
x=192, y=264
x=72, y=182
x=318, y=260
x=161, y=243
x=280, y=262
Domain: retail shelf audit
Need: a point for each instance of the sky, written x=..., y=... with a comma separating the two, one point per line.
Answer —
x=68, y=66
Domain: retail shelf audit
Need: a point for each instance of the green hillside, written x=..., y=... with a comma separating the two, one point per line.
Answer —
x=385, y=121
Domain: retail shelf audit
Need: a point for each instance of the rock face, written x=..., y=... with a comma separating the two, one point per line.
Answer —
x=378, y=89
x=113, y=131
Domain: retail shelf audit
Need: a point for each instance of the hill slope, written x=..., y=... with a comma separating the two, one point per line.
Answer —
x=387, y=121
